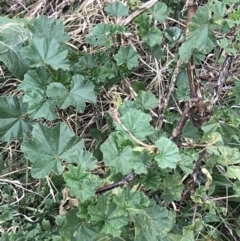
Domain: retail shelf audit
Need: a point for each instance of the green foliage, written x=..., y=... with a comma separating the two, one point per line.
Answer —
x=116, y=8
x=177, y=182
x=201, y=35
x=127, y=56
x=13, y=120
x=49, y=148
x=13, y=35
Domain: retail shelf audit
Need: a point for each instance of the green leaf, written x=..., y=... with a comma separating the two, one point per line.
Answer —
x=236, y=188
x=172, y=188
x=169, y=153
x=129, y=105
x=218, y=9
x=46, y=52
x=7, y=215
x=211, y=126
x=127, y=55
x=44, y=27
x=106, y=215
x=13, y=119
x=140, y=161
x=201, y=34
x=117, y=159
x=153, y=179
x=228, y=155
x=99, y=35
x=155, y=225
x=34, y=79
x=137, y=122
x=190, y=131
x=82, y=91
x=35, y=85
x=143, y=23
x=85, y=158
x=147, y=100
x=88, y=61
x=187, y=159
x=188, y=234
x=233, y=172
x=117, y=8
x=81, y=184
x=182, y=93
x=75, y=229
x=156, y=51
x=130, y=202
x=159, y=11
x=13, y=35
x=39, y=105
x=188, y=231
x=152, y=37
x=49, y=147
x=236, y=92
x=138, y=86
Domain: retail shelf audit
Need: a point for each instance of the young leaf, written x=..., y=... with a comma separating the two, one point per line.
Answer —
x=127, y=55
x=82, y=90
x=159, y=11
x=119, y=160
x=44, y=27
x=153, y=37
x=88, y=61
x=81, y=184
x=169, y=153
x=13, y=36
x=46, y=52
x=49, y=147
x=140, y=161
x=99, y=35
x=137, y=122
x=147, y=100
x=116, y=8
x=106, y=215
x=13, y=121
x=143, y=23
x=85, y=158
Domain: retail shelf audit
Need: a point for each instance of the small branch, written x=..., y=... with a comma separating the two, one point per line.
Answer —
x=122, y=182
x=224, y=73
x=184, y=117
x=166, y=98
x=141, y=9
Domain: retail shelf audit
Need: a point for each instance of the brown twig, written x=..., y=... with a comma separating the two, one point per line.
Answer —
x=122, y=182
x=141, y=9
x=182, y=122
